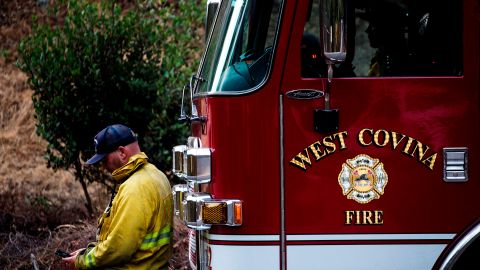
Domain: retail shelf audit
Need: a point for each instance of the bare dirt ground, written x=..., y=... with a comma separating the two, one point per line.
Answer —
x=41, y=210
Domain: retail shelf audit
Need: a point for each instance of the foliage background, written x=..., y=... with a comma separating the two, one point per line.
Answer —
x=42, y=209
x=91, y=64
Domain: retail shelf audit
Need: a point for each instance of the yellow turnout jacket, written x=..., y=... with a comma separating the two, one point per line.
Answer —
x=135, y=231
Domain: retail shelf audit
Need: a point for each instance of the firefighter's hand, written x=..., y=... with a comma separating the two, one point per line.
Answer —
x=70, y=261
x=75, y=253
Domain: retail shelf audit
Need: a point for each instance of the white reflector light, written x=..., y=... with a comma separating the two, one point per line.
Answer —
x=178, y=160
x=198, y=165
x=179, y=192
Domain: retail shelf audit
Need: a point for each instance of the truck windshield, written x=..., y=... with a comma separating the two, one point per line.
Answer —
x=239, y=51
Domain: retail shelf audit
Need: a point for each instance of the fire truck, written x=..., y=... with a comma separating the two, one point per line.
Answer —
x=334, y=134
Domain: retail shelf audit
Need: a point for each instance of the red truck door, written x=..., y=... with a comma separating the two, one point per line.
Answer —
x=397, y=181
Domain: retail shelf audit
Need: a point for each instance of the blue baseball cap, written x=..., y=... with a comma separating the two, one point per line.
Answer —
x=109, y=139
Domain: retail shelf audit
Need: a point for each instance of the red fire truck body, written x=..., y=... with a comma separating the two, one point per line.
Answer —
x=392, y=184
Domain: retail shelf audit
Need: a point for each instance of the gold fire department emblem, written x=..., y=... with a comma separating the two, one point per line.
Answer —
x=363, y=179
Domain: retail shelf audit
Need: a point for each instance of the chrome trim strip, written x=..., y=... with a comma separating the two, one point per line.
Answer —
x=326, y=237
x=283, y=248
x=243, y=237
x=323, y=237
x=460, y=247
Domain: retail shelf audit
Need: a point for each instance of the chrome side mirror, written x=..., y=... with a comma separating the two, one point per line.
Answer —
x=333, y=33
x=333, y=39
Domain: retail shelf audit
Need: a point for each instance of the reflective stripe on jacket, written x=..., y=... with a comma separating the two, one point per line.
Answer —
x=136, y=231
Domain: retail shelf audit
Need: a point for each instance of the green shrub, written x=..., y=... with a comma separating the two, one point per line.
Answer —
x=91, y=64
x=183, y=39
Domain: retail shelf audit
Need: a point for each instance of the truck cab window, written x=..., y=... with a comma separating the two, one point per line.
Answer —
x=239, y=52
x=392, y=38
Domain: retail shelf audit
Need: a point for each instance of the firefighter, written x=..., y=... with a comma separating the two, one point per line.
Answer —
x=387, y=33
x=135, y=231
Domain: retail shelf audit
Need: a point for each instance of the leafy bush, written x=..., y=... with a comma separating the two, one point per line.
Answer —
x=183, y=39
x=91, y=64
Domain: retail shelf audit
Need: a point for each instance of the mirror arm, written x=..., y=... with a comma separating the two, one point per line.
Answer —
x=183, y=117
x=194, y=113
x=194, y=117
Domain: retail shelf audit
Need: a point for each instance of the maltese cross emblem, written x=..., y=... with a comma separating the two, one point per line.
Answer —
x=363, y=179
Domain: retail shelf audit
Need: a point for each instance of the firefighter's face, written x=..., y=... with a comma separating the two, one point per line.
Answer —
x=112, y=161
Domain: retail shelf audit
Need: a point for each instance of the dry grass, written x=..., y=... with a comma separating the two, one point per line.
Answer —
x=21, y=250
x=34, y=201
x=41, y=210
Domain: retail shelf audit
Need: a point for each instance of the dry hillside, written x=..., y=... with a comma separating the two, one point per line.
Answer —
x=40, y=209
